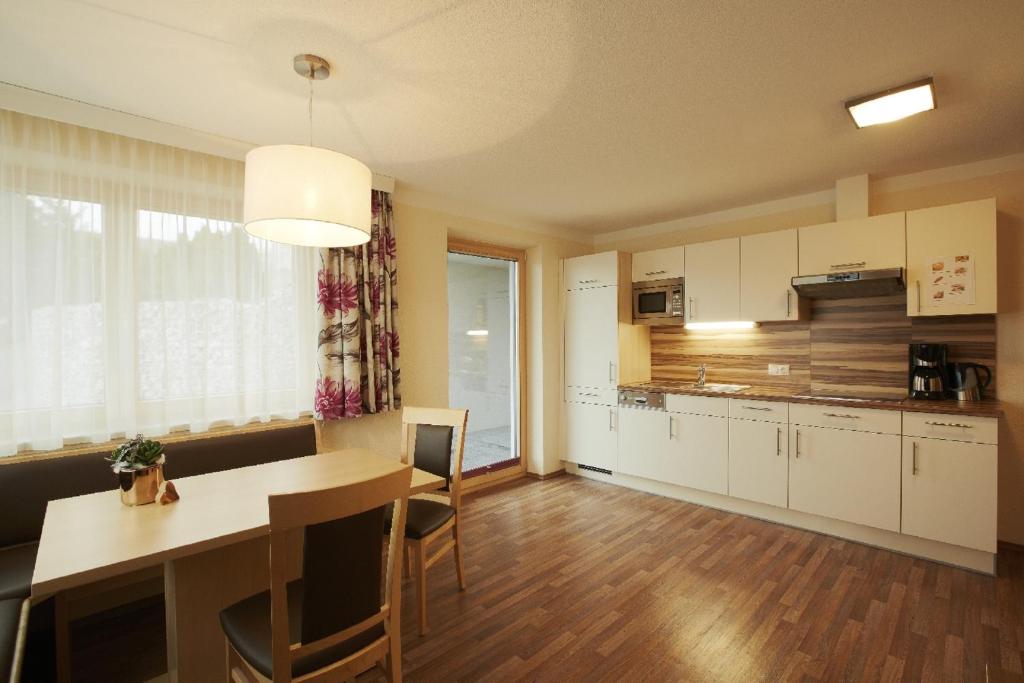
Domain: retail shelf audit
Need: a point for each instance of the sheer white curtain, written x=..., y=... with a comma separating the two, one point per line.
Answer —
x=132, y=300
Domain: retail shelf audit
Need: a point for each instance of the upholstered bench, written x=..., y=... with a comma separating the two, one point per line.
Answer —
x=28, y=485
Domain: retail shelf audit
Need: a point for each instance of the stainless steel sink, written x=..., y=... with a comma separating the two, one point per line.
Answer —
x=717, y=388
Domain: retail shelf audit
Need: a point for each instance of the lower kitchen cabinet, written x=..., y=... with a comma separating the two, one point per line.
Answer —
x=701, y=445
x=759, y=461
x=644, y=445
x=590, y=435
x=846, y=475
x=949, y=491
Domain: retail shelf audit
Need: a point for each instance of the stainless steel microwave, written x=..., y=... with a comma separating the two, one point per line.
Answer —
x=658, y=302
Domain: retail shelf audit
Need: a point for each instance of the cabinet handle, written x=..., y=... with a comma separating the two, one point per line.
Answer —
x=585, y=393
x=949, y=424
x=691, y=308
x=798, y=444
x=855, y=264
x=913, y=467
x=778, y=441
x=670, y=436
x=655, y=272
x=611, y=419
x=753, y=408
x=787, y=302
x=842, y=415
x=917, y=285
x=611, y=371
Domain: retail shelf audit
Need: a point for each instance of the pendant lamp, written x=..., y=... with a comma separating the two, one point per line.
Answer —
x=305, y=195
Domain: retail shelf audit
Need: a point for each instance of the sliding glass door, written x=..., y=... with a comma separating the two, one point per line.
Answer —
x=484, y=354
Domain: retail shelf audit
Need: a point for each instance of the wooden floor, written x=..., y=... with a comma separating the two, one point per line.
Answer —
x=575, y=580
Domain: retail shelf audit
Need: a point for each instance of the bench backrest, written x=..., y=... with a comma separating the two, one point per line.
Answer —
x=27, y=486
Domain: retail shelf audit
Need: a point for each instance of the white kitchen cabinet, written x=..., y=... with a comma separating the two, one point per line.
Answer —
x=700, y=444
x=591, y=338
x=759, y=461
x=859, y=244
x=844, y=474
x=594, y=270
x=644, y=445
x=949, y=492
x=591, y=436
x=768, y=263
x=658, y=264
x=713, y=281
x=940, y=234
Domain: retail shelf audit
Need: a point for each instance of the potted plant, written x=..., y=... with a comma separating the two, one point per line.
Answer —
x=139, y=466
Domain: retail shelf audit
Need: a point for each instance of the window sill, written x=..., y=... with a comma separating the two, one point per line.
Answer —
x=173, y=437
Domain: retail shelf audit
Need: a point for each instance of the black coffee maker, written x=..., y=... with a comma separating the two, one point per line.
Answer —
x=927, y=377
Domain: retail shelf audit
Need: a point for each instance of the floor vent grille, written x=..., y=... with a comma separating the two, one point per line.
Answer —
x=591, y=468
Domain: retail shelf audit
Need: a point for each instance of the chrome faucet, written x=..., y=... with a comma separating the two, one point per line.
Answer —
x=702, y=370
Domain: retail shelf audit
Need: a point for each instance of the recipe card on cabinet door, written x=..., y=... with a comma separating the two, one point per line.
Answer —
x=951, y=280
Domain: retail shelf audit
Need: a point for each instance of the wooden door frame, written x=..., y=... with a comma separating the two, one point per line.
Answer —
x=472, y=248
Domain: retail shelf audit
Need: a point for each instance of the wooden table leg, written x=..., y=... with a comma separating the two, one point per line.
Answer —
x=196, y=589
x=62, y=636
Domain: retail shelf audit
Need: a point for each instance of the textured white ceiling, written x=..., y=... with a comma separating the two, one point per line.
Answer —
x=588, y=114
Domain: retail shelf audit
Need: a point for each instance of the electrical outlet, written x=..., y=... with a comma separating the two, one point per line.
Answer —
x=778, y=369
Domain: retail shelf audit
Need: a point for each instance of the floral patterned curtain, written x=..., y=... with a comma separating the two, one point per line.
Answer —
x=357, y=355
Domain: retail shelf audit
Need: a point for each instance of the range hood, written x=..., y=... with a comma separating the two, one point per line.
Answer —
x=851, y=284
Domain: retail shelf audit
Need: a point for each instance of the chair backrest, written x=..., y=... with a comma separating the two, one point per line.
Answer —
x=341, y=565
x=435, y=437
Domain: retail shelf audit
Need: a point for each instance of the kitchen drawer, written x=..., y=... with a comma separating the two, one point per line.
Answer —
x=601, y=397
x=765, y=411
x=697, y=405
x=951, y=427
x=843, y=417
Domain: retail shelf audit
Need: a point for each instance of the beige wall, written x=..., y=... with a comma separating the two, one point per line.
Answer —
x=1008, y=189
x=422, y=236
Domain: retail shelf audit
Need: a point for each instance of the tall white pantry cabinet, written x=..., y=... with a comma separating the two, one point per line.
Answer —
x=601, y=349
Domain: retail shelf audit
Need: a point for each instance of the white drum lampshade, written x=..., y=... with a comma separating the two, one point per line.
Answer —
x=307, y=196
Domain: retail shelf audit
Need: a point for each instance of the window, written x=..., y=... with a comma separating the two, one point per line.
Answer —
x=131, y=298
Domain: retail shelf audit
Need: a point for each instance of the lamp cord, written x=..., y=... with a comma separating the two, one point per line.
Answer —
x=311, y=108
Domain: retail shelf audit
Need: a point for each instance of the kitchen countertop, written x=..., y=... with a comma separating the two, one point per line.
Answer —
x=986, y=408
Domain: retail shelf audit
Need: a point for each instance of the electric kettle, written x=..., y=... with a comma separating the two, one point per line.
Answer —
x=965, y=380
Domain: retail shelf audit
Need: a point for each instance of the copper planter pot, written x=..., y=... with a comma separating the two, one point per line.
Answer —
x=139, y=487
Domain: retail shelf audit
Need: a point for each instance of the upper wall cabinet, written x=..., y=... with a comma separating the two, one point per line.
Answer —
x=768, y=263
x=713, y=281
x=595, y=270
x=659, y=264
x=951, y=259
x=860, y=244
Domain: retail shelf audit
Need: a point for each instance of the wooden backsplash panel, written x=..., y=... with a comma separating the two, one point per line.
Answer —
x=739, y=356
x=859, y=346
x=855, y=347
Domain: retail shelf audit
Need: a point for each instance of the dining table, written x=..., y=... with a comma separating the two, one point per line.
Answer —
x=213, y=545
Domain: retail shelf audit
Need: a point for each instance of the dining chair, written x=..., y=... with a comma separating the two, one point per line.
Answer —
x=428, y=434
x=332, y=623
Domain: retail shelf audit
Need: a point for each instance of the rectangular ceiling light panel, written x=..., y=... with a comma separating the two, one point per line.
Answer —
x=893, y=104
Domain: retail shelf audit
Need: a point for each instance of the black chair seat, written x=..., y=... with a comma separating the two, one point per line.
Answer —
x=247, y=626
x=423, y=517
x=10, y=616
x=16, y=565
